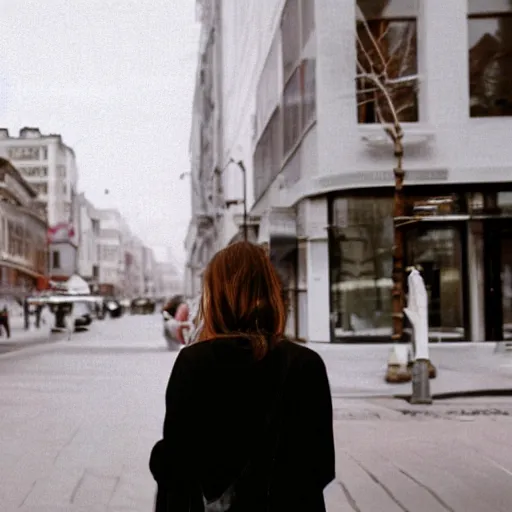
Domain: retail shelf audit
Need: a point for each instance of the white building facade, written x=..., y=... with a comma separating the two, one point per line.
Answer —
x=111, y=252
x=150, y=273
x=296, y=111
x=23, y=230
x=49, y=166
x=134, y=267
x=88, y=243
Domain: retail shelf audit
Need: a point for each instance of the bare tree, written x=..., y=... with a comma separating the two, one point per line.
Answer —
x=387, y=82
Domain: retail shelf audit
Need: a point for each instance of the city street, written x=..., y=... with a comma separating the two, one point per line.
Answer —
x=79, y=418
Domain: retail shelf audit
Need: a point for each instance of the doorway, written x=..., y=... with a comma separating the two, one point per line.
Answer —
x=436, y=251
x=498, y=280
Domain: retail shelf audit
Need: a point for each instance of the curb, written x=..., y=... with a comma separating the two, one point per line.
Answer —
x=29, y=348
x=474, y=393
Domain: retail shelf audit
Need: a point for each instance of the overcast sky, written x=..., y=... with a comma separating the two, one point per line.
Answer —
x=115, y=78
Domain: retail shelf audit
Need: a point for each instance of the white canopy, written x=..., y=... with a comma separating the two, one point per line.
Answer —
x=76, y=285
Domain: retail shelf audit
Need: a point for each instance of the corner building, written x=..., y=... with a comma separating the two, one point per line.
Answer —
x=319, y=166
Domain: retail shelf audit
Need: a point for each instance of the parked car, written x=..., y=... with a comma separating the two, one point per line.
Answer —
x=113, y=308
x=142, y=306
x=82, y=314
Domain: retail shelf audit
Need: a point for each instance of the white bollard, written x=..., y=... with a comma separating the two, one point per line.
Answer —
x=417, y=312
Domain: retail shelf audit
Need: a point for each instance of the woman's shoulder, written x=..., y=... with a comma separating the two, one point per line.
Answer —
x=297, y=354
x=301, y=355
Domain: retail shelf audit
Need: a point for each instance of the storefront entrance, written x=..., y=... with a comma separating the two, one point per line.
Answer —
x=498, y=279
x=436, y=251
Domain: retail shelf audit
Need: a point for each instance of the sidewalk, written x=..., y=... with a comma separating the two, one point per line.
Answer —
x=450, y=457
x=22, y=338
x=359, y=370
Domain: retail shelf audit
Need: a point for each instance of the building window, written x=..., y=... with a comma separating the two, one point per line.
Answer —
x=268, y=155
x=34, y=172
x=308, y=81
x=361, y=266
x=291, y=40
x=23, y=153
x=268, y=93
x=292, y=103
x=15, y=239
x=386, y=40
x=40, y=188
x=109, y=253
x=308, y=20
x=299, y=71
x=56, y=259
x=490, y=58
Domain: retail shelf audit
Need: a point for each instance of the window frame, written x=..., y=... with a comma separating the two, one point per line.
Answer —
x=487, y=15
x=361, y=109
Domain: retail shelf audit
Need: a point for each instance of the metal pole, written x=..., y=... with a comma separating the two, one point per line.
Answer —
x=242, y=167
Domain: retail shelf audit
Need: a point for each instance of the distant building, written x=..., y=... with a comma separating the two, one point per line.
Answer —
x=169, y=280
x=110, y=252
x=88, y=241
x=133, y=267
x=49, y=166
x=23, y=251
x=149, y=272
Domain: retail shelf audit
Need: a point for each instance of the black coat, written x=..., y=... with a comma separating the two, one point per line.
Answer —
x=217, y=402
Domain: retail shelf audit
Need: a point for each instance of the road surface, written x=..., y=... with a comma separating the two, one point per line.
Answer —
x=79, y=418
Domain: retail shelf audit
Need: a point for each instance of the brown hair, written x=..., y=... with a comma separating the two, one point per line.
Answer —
x=242, y=297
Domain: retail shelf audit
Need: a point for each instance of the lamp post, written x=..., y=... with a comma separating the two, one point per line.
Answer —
x=244, y=200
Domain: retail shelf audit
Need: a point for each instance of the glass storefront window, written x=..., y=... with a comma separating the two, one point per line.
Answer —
x=361, y=265
x=436, y=252
x=506, y=283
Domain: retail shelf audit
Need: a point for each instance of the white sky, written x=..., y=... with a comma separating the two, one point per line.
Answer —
x=115, y=78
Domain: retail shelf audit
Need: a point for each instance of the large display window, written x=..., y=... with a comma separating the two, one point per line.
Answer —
x=361, y=264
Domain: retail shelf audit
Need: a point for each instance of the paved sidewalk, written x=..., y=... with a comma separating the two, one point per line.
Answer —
x=21, y=338
x=393, y=457
x=79, y=419
x=359, y=370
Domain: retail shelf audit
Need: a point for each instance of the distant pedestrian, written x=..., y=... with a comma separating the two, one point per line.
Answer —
x=4, y=319
x=248, y=423
x=39, y=310
x=26, y=314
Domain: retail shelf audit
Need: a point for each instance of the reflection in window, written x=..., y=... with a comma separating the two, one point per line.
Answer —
x=308, y=20
x=387, y=47
x=490, y=58
x=290, y=30
x=437, y=254
x=56, y=260
x=268, y=155
x=361, y=266
x=292, y=102
x=506, y=283
x=308, y=79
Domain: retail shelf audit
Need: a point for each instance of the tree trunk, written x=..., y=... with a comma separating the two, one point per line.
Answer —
x=398, y=246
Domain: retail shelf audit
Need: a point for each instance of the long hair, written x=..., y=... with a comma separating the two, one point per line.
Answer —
x=242, y=297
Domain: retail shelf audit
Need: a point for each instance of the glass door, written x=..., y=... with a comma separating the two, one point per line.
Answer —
x=498, y=282
x=506, y=279
x=436, y=252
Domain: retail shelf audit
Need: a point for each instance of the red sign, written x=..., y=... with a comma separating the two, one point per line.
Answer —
x=60, y=232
